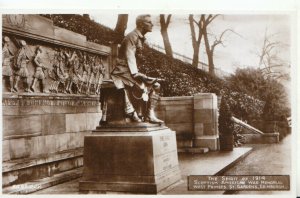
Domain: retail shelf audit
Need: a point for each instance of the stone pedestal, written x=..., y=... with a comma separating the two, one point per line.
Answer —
x=136, y=158
x=206, y=121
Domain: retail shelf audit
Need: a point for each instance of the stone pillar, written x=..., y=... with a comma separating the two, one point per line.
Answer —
x=206, y=121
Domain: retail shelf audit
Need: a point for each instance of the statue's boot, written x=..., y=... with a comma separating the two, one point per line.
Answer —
x=129, y=109
x=151, y=117
x=133, y=117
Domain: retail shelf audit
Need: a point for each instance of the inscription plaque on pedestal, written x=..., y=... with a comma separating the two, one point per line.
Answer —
x=140, y=158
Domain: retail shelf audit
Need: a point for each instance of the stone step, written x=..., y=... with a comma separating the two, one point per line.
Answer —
x=36, y=185
x=182, y=143
x=189, y=166
x=192, y=150
x=23, y=170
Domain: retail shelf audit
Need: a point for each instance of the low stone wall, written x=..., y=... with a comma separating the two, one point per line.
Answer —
x=267, y=138
x=194, y=118
x=272, y=126
x=177, y=112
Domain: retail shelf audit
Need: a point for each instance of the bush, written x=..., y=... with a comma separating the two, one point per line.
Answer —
x=267, y=90
x=226, y=127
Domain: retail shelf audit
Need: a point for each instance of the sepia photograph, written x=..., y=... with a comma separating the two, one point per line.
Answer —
x=148, y=102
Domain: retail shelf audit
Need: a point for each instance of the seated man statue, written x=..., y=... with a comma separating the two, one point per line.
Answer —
x=127, y=77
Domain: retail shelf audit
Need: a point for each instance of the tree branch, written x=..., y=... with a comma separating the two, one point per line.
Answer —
x=168, y=19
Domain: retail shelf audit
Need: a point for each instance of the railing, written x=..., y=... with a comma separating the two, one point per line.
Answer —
x=246, y=126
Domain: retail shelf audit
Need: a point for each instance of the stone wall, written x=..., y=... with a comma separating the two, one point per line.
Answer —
x=194, y=118
x=177, y=112
x=267, y=138
x=44, y=125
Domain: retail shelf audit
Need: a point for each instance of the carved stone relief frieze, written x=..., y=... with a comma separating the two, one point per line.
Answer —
x=33, y=67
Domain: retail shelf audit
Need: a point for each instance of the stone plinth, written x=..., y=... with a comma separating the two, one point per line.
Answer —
x=266, y=138
x=206, y=121
x=136, y=159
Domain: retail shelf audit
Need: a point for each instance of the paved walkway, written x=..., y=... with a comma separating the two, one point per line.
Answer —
x=265, y=159
x=211, y=163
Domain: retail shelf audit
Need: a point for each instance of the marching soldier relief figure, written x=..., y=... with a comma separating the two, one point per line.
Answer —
x=58, y=74
x=94, y=72
x=126, y=75
x=21, y=67
x=86, y=72
x=74, y=77
x=39, y=71
x=7, y=56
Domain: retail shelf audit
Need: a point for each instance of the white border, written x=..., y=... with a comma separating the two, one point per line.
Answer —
x=184, y=7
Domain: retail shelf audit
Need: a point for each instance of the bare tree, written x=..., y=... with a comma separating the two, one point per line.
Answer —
x=269, y=61
x=121, y=26
x=196, y=41
x=210, y=49
x=164, y=23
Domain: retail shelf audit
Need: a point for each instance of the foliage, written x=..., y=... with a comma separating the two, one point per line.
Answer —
x=238, y=138
x=226, y=125
x=93, y=31
x=253, y=83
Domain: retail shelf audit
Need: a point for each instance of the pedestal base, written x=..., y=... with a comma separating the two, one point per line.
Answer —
x=130, y=160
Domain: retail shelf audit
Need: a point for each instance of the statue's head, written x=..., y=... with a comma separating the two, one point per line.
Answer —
x=144, y=23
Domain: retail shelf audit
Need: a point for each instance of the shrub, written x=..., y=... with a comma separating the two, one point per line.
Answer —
x=265, y=89
x=226, y=125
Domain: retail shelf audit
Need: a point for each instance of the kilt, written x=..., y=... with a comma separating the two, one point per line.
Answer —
x=6, y=70
x=39, y=74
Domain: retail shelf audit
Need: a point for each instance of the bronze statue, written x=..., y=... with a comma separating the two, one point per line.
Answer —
x=127, y=77
x=7, y=56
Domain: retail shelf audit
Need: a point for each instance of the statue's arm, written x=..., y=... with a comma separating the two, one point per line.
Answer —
x=130, y=50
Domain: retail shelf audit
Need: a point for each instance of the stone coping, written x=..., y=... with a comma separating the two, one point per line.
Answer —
x=42, y=29
x=48, y=95
x=176, y=98
x=14, y=165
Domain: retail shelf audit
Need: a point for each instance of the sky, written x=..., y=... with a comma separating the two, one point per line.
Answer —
x=240, y=49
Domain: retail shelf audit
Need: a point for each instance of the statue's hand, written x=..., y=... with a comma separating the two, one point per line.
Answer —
x=160, y=80
x=139, y=76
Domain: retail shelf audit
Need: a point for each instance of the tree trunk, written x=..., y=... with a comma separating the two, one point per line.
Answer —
x=167, y=44
x=211, y=66
x=164, y=32
x=209, y=53
x=121, y=26
x=195, y=42
x=196, y=57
